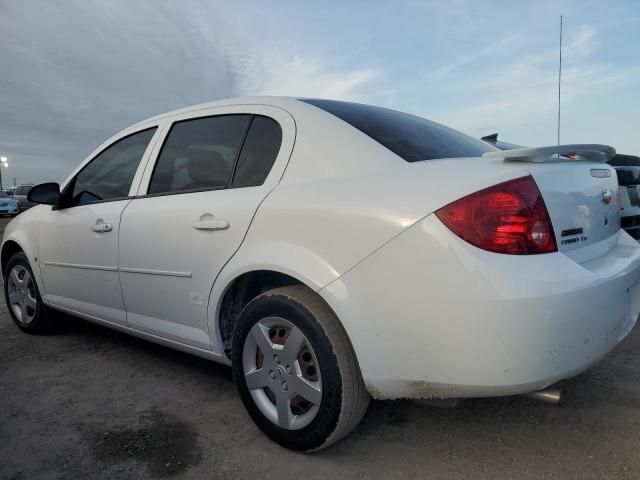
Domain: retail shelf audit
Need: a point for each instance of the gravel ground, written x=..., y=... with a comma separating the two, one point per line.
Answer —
x=92, y=403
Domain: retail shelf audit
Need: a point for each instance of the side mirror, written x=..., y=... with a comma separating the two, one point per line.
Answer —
x=45, y=193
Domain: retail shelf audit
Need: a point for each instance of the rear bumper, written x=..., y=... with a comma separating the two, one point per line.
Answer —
x=432, y=317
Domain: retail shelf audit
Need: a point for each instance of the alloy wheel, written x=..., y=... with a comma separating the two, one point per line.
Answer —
x=282, y=373
x=22, y=294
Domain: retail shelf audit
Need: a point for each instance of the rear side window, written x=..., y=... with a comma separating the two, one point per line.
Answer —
x=24, y=190
x=410, y=137
x=110, y=174
x=259, y=151
x=199, y=154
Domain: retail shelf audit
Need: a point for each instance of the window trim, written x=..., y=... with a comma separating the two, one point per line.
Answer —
x=239, y=152
x=66, y=192
x=229, y=184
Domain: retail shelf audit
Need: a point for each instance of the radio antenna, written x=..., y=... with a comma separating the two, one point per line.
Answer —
x=559, y=79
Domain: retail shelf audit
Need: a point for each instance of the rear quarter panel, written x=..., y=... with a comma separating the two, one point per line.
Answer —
x=342, y=197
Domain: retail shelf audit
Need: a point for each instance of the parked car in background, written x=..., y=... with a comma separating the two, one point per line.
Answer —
x=493, y=140
x=21, y=195
x=332, y=251
x=628, y=171
x=8, y=205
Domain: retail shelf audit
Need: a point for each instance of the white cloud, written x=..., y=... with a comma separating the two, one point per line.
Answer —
x=272, y=74
x=507, y=43
x=524, y=92
x=88, y=73
x=583, y=42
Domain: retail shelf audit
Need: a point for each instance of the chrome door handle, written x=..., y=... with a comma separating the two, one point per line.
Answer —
x=211, y=224
x=101, y=227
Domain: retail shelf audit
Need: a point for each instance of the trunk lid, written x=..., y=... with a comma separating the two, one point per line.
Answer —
x=582, y=201
x=579, y=190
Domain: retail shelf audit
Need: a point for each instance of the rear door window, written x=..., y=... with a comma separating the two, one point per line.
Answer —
x=199, y=154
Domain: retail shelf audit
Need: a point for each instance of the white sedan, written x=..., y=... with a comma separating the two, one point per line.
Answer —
x=332, y=252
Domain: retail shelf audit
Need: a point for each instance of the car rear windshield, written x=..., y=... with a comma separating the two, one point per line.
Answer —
x=23, y=190
x=410, y=137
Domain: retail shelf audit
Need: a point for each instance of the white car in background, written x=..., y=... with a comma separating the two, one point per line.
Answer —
x=331, y=252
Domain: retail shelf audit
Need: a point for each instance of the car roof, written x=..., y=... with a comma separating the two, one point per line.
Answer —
x=286, y=103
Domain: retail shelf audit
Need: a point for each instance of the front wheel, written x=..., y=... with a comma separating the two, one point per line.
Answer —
x=22, y=296
x=296, y=371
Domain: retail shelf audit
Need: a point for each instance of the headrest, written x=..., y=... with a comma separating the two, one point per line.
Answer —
x=207, y=168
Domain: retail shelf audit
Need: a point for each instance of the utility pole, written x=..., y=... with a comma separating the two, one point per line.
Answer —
x=3, y=163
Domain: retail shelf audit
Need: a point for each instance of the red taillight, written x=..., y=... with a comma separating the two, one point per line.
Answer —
x=510, y=217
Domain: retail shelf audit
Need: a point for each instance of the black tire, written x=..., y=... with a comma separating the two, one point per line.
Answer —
x=344, y=396
x=41, y=322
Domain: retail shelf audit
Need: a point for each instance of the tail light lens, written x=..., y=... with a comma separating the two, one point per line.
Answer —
x=510, y=218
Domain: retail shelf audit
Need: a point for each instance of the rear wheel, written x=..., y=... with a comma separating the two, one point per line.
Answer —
x=296, y=370
x=22, y=296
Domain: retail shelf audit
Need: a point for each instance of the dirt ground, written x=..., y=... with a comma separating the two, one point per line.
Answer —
x=92, y=403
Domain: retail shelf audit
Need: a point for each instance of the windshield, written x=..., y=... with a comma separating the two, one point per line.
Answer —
x=410, y=137
x=4, y=194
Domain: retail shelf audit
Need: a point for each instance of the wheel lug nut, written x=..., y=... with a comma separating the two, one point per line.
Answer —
x=289, y=370
x=272, y=375
x=276, y=359
x=285, y=387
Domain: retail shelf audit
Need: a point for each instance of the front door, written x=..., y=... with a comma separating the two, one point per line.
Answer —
x=78, y=242
x=207, y=184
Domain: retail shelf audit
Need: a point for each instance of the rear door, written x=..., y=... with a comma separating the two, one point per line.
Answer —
x=195, y=204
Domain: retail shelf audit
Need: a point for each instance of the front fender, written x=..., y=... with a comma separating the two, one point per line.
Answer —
x=23, y=231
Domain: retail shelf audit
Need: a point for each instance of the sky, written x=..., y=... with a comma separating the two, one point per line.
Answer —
x=74, y=72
